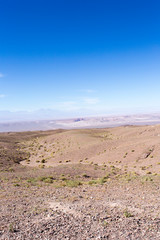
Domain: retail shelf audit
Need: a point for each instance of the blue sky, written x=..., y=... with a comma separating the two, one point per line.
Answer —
x=80, y=58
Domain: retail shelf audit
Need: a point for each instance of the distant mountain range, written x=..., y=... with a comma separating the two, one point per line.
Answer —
x=86, y=122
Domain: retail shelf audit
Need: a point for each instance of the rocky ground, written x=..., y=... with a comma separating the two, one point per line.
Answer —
x=113, y=210
x=75, y=200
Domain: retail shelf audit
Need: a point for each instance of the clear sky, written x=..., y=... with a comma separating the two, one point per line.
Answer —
x=80, y=57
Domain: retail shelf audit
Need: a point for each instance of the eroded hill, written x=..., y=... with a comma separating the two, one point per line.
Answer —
x=131, y=148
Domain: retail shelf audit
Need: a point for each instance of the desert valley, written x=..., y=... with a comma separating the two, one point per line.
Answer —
x=79, y=120
x=80, y=183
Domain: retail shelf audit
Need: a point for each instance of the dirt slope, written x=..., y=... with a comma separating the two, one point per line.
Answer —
x=81, y=184
x=136, y=148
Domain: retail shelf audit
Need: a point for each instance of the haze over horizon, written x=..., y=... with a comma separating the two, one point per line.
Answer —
x=79, y=58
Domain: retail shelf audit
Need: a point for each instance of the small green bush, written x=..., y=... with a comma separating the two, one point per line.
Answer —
x=73, y=183
x=127, y=214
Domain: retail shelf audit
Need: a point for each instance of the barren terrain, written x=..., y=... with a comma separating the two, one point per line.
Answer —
x=19, y=124
x=80, y=184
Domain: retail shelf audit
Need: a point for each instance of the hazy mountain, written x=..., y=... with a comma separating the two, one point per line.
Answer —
x=18, y=124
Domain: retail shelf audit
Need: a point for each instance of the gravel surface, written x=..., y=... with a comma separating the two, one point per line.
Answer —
x=111, y=211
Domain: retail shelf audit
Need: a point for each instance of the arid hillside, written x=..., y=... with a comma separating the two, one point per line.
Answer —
x=81, y=184
x=131, y=148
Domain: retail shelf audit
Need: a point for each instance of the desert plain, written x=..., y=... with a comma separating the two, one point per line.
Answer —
x=80, y=184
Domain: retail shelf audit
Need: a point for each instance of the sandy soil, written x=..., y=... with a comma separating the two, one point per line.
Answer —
x=131, y=147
